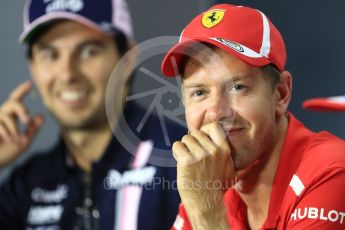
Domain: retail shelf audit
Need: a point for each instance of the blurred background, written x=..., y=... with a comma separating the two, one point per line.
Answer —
x=312, y=29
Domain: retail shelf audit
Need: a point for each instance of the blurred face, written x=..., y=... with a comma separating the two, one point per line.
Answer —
x=226, y=90
x=71, y=64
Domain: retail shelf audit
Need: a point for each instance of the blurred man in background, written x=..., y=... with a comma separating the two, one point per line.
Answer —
x=88, y=180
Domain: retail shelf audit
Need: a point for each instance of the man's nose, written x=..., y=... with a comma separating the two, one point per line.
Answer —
x=220, y=108
x=68, y=69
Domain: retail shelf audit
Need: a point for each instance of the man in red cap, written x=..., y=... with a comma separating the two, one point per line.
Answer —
x=247, y=163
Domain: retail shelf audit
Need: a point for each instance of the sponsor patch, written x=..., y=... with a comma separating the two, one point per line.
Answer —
x=319, y=214
x=231, y=44
x=212, y=18
x=39, y=215
x=63, y=5
x=140, y=177
x=49, y=196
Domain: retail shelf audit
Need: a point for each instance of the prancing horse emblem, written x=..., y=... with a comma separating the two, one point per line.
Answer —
x=212, y=18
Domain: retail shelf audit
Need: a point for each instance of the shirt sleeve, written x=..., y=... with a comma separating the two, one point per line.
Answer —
x=322, y=208
x=181, y=222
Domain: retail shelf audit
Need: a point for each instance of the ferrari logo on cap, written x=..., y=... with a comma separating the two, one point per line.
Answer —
x=212, y=18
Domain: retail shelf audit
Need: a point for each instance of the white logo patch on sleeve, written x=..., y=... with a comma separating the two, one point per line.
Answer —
x=179, y=222
x=296, y=185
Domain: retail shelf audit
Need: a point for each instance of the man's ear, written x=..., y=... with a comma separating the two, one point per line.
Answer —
x=31, y=68
x=130, y=58
x=283, y=93
x=120, y=77
x=124, y=68
x=182, y=94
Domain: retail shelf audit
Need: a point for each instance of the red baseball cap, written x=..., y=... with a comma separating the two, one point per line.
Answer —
x=241, y=31
x=326, y=104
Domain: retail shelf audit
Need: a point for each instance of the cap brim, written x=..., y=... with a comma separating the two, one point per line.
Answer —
x=172, y=61
x=326, y=104
x=38, y=23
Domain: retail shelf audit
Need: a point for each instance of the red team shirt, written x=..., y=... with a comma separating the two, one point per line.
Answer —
x=308, y=191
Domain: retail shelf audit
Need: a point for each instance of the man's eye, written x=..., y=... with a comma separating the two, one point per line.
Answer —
x=48, y=55
x=198, y=93
x=89, y=51
x=238, y=87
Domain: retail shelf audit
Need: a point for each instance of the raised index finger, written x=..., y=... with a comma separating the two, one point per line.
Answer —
x=21, y=90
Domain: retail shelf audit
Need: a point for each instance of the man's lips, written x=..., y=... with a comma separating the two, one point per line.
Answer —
x=73, y=97
x=233, y=130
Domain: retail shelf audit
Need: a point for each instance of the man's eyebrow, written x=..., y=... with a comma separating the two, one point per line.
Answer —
x=95, y=42
x=43, y=46
x=192, y=85
x=238, y=77
x=233, y=78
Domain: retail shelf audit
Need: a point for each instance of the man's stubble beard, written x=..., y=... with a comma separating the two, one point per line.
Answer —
x=251, y=150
